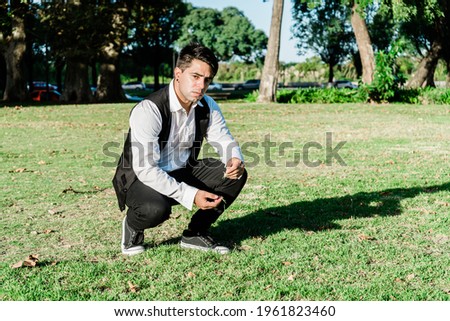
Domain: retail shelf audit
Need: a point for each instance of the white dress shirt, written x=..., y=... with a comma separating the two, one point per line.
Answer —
x=152, y=166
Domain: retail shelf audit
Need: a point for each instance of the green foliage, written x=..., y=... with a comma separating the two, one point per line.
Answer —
x=10, y=9
x=386, y=78
x=229, y=33
x=407, y=96
x=381, y=26
x=252, y=97
x=66, y=25
x=321, y=96
x=425, y=96
x=237, y=72
x=430, y=95
x=324, y=29
x=156, y=25
x=425, y=22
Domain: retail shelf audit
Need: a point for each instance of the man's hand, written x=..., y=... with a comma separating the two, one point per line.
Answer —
x=205, y=200
x=235, y=168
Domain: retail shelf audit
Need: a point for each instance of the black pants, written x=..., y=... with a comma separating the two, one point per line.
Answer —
x=147, y=208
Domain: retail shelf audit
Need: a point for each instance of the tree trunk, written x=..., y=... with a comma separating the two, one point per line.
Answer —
x=109, y=87
x=77, y=88
x=447, y=82
x=429, y=82
x=94, y=74
x=156, y=64
x=364, y=44
x=269, y=77
x=59, y=66
x=2, y=74
x=425, y=72
x=330, y=72
x=14, y=52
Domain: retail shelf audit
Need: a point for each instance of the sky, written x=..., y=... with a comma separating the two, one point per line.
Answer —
x=260, y=14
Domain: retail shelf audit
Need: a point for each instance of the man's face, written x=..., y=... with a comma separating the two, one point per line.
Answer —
x=192, y=83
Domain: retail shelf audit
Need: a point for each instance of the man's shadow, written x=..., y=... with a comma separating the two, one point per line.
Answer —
x=319, y=214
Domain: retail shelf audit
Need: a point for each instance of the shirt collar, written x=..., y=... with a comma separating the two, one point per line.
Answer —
x=173, y=99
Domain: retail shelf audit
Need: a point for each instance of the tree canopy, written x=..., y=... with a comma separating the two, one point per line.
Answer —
x=324, y=29
x=228, y=32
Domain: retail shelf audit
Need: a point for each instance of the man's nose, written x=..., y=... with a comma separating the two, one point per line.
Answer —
x=202, y=83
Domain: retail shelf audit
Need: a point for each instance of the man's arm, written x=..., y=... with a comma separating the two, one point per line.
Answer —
x=145, y=124
x=220, y=138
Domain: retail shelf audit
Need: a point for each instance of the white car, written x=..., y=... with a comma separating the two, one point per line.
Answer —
x=215, y=86
x=132, y=85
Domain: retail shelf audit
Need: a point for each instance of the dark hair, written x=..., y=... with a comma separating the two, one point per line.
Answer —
x=194, y=50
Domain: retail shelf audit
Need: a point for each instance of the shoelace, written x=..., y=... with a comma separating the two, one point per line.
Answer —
x=208, y=240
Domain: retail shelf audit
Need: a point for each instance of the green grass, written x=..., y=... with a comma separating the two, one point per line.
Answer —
x=376, y=229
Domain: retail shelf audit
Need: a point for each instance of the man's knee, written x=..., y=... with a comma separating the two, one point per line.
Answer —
x=153, y=213
x=243, y=179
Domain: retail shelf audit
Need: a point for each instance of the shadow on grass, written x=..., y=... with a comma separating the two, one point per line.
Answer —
x=320, y=214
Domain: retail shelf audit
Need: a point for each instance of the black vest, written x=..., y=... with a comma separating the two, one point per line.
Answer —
x=125, y=175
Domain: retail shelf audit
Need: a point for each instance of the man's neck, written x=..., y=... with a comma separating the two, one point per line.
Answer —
x=187, y=105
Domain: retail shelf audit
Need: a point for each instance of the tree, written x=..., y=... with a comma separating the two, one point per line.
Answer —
x=154, y=29
x=228, y=33
x=360, y=30
x=13, y=47
x=239, y=38
x=269, y=78
x=73, y=33
x=363, y=41
x=382, y=27
x=325, y=30
x=427, y=25
x=116, y=18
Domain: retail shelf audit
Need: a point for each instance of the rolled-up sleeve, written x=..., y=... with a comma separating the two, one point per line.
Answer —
x=219, y=136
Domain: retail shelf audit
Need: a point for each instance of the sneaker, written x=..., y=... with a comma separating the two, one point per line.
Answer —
x=201, y=241
x=132, y=240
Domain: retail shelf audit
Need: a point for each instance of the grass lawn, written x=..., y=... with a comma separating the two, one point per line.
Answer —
x=371, y=222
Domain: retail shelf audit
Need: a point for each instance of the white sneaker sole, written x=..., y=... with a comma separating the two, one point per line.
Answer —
x=217, y=249
x=132, y=250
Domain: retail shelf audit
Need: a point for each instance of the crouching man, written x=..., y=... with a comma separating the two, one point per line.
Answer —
x=159, y=167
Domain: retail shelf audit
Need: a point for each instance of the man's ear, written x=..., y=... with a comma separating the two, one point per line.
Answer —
x=177, y=72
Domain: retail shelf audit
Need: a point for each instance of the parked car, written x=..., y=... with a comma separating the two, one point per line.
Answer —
x=344, y=84
x=133, y=98
x=132, y=85
x=42, y=85
x=215, y=86
x=249, y=84
x=43, y=95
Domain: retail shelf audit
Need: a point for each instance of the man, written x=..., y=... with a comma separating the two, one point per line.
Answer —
x=159, y=167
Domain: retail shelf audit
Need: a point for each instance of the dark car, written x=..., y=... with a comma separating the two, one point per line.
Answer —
x=43, y=95
x=249, y=84
x=344, y=84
